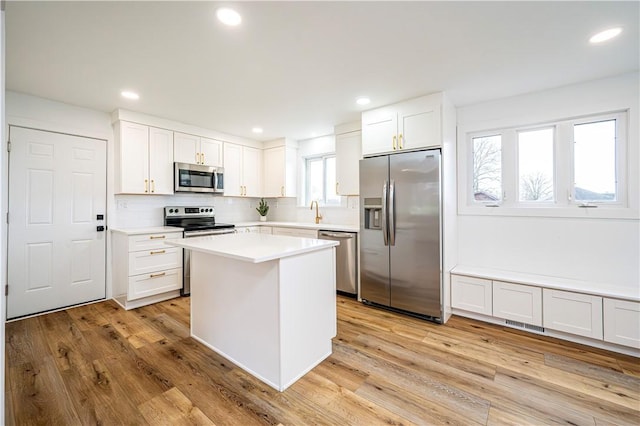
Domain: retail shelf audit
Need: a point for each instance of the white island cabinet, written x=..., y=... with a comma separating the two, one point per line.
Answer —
x=265, y=302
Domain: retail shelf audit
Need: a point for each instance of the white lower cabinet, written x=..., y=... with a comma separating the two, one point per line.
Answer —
x=471, y=294
x=295, y=232
x=145, y=270
x=517, y=302
x=622, y=322
x=574, y=313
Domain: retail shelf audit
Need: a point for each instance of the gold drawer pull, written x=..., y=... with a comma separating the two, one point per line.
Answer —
x=158, y=252
x=161, y=274
x=158, y=237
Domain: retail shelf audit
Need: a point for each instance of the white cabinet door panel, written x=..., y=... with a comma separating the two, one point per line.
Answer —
x=210, y=152
x=186, y=148
x=622, y=322
x=160, y=161
x=348, y=155
x=232, y=170
x=574, y=313
x=252, y=171
x=379, y=130
x=471, y=294
x=134, y=158
x=517, y=302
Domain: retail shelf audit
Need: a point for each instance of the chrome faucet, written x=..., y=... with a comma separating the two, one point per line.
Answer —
x=318, y=215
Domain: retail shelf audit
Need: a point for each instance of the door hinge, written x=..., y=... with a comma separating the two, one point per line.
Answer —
x=6, y=290
x=8, y=146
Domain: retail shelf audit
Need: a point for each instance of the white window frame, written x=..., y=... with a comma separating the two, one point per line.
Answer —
x=564, y=204
x=324, y=158
x=621, y=155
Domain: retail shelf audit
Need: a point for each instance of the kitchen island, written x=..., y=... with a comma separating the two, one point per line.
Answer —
x=267, y=303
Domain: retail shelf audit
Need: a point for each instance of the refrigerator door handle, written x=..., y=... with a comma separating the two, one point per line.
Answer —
x=385, y=230
x=392, y=213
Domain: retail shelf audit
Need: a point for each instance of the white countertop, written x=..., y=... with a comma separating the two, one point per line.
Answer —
x=250, y=247
x=302, y=225
x=147, y=230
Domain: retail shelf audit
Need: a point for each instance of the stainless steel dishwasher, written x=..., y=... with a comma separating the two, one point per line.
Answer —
x=346, y=260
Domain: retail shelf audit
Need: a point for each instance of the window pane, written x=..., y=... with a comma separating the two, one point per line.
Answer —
x=595, y=161
x=315, y=179
x=487, y=168
x=330, y=169
x=535, y=165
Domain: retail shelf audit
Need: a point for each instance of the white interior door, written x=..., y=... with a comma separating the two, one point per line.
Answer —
x=57, y=187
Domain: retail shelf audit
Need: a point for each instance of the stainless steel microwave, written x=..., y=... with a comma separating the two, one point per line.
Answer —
x=198, y=178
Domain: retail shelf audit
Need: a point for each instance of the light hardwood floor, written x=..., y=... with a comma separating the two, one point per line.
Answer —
x=99, y=364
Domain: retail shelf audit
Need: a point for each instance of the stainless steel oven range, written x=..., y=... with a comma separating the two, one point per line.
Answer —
x=197, y=222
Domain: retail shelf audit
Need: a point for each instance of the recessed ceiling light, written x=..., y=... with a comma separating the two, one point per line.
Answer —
x=257, y=130
x=228, y=16
x=363, y=100
x=130, y=95
x=605, y=35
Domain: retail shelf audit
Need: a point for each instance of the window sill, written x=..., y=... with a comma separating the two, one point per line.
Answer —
x=600, y=212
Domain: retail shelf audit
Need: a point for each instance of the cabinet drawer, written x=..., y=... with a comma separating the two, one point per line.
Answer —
x=148, y=261
x=517, y=302
x=154, y=283
x=471, y=294
x=622, y=322
x=573, y=313
x=151, y=241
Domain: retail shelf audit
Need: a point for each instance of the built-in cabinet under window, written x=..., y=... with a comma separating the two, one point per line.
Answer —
x=581, y=314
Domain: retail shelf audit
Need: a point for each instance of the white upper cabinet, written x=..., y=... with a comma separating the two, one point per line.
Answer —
x=193, y=149
x=160, y=161
x=145, y=159
x=348, y=155
x=409, y=125
x=280, y=172
x=242, y=171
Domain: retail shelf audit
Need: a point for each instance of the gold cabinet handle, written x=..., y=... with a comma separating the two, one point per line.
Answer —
x=394, y=142
x=157, y=237
x=400, y=141
x=282, y=190
x=153, y=185
x=202, y=158
x=146, y=185
x=337, y=193
x=158, y=252
x=197, y=158
x=161, y=274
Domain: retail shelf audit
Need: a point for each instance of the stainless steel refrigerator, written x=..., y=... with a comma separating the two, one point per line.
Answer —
x=400, y=232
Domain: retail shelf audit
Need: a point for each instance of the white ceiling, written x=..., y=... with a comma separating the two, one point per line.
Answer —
x=295, y=68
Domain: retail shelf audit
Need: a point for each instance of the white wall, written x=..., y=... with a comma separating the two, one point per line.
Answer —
x=603, y=250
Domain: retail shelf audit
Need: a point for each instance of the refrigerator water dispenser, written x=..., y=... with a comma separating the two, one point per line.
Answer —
x=373, y=213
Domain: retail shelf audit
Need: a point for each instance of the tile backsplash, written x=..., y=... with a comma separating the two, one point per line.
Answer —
x=137, y=211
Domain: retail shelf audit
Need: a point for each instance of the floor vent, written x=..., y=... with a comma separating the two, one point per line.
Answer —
x=525, y=326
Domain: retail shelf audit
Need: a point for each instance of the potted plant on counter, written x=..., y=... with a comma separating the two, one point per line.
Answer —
x=263, y=209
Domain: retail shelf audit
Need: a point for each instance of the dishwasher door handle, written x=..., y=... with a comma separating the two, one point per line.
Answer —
x=332, y=235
